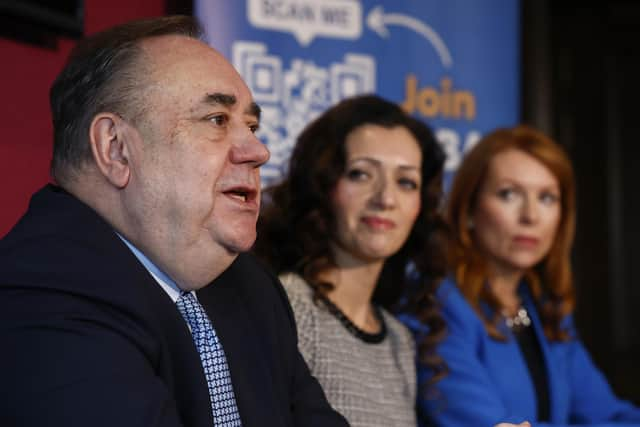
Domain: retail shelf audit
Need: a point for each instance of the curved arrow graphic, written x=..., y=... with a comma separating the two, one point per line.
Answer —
x=378, y=21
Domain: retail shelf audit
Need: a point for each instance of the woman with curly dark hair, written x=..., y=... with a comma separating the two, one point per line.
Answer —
x=355, y=217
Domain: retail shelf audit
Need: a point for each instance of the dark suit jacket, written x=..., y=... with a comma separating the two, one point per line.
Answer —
x=89, y=338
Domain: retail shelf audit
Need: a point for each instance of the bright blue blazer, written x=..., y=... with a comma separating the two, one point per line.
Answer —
x=488, y=380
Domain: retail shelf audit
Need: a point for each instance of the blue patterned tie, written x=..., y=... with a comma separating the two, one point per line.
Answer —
x=214, y=362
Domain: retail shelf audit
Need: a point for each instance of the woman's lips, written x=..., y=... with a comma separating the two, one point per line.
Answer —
x=378, y=223
x=526, y=241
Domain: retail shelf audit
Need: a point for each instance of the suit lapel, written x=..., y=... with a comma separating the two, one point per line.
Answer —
x=182, y=369
x=243, y=345
x=119, y=279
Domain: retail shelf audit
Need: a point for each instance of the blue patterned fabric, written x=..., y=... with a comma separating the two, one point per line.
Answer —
x=214, y=362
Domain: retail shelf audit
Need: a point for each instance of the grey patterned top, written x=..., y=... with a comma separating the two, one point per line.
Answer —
x=370, y=384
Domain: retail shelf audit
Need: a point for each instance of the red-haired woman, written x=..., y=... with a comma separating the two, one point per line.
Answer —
x=511, y=348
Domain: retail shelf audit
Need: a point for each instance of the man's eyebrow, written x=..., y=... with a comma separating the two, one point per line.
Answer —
x=254, y=110
x=219, y=99
x=230, y=100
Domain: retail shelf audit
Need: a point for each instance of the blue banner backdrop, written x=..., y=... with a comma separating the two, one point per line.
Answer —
x=453, y=63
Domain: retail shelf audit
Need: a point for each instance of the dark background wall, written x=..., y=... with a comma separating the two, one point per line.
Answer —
x=581, y=84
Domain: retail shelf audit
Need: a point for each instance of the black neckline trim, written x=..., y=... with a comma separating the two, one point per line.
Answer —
x=367, y=337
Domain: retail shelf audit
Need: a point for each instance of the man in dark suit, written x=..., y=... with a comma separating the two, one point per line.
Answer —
x=157, y=172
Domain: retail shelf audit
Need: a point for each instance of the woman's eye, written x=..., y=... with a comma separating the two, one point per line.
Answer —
x=408, y=183
x=356, y=174
x=506, y=194
x=549, y=198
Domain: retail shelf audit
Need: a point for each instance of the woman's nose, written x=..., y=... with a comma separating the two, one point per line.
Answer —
x=384, y=195
x=529, y=212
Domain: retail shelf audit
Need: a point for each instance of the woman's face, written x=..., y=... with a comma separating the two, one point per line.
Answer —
x=517, y=212
x=377, y=199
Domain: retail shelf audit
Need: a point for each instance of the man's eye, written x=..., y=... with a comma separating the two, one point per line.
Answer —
x=219, y=120
x=254, y=128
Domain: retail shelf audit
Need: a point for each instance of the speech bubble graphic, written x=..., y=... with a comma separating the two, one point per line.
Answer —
x=307, y=19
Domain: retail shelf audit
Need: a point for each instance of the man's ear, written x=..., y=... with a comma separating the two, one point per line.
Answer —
x=109, y=147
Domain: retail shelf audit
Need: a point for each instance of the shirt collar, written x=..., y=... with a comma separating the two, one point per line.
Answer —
x=170, y=287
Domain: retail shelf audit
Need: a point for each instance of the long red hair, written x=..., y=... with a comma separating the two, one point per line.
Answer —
x=550, y=281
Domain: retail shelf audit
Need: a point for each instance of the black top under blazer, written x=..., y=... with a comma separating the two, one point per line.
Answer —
x=89, y=338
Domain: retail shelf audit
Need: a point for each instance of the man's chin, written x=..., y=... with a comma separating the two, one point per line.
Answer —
x=240, y=245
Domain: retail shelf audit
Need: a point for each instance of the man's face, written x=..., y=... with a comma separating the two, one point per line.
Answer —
x=194, y=191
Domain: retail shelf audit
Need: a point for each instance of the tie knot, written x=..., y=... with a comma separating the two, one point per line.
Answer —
x=186, y=297
x=192, y=311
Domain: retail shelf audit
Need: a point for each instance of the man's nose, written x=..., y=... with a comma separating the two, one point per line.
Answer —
x=249, y=149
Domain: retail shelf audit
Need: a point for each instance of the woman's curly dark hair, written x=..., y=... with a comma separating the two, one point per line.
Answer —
x=297, y=223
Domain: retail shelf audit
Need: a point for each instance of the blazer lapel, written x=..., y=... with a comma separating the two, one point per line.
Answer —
x=549, y=364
